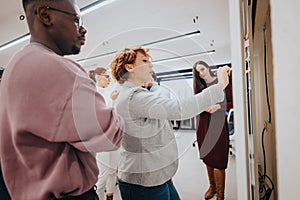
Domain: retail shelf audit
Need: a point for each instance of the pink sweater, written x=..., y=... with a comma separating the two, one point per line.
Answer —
x=52, y=121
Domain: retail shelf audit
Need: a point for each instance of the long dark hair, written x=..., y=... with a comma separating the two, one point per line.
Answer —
x=199, y=83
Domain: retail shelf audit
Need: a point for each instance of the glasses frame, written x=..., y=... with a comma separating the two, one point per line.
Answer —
x=78, y=20
x=106, y=76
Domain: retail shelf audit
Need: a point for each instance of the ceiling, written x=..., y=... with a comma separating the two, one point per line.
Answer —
x=122, y=23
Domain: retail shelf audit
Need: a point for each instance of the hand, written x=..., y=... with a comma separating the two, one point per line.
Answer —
x=213, y=108
x=222, y=75
x=228, y=69
x=114, y=94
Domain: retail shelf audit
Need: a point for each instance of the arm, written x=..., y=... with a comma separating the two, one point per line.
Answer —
x=113, y=96
x=146, y=104
x=225, y=105
x=222, y=74
x=66, y=108
x=96, y=127
x=228, y=104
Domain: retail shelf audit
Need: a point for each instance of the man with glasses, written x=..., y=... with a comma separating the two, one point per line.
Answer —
x=53, y=121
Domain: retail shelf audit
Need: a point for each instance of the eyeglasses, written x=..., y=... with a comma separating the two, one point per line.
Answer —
x=78, y=20
x=106, y=76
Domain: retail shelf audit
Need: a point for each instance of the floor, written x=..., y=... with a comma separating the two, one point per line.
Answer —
x=191, y=180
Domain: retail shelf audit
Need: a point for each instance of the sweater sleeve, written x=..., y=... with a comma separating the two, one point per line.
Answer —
x=228, y=103
x=87, y=123
x=61, y=104
x=146, y=104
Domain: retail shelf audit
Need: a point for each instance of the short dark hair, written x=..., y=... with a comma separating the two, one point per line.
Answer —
x=27, y=2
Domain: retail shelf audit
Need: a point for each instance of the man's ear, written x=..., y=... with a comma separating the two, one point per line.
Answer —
x=129, y=67
x=44, y=16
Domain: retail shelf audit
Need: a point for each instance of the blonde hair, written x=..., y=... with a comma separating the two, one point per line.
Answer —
x=98, y=71
x=123, y=57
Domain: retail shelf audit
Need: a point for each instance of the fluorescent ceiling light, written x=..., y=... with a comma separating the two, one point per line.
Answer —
x=15, y=42
x=144, y=44
x=94, y=6
x=184, y=56
x=87, y=9
x=190, y=34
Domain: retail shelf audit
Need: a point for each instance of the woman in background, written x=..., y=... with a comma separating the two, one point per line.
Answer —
x=212, y=131
x=102, y=80
x=107, y=161
x=149, y=155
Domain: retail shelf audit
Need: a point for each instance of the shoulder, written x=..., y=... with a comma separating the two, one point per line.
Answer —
x=37, y=58
x=36, y=67
x=131, y=88
x=131, y=91
x=138, y=92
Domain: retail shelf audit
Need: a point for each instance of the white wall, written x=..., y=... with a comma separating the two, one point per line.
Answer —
x=182, y=88
x=285, y=17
